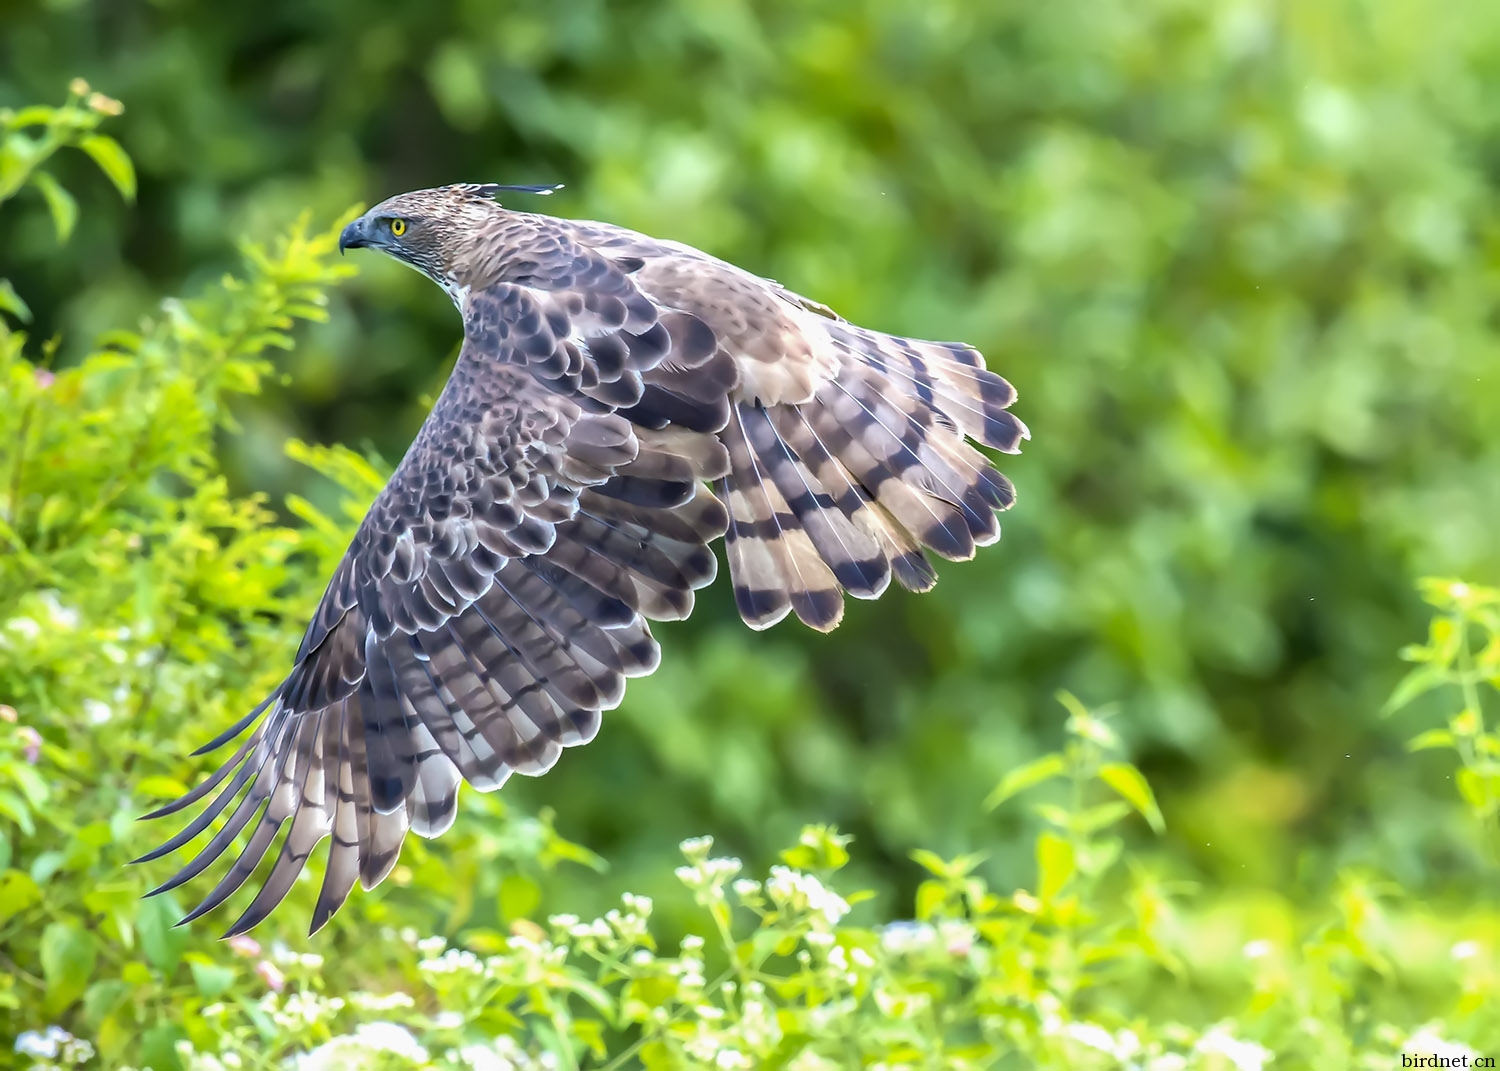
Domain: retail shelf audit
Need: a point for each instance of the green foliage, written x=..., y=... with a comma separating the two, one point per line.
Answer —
x=142, y=608
x=1462, y=655
x=30, y=137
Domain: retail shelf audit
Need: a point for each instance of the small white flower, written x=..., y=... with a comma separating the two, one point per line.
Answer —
x=1427, y=1042
x=692, y=943
x=482, y=1058
x=431, y=946
x=641, y=905
x=721, y=869
x=563, y=922
x=453, y=961
x=1091, y=1035
x=745, y=888
x=1464, y=950
x=1244, y=1055
x=62, y=616
x=900, y=938
x=391, y=1038
x=861, y=958
x=794, y=890
x=97, y=711
x=42, y=1046
x=28, y=629
x=376, y=1002
x=448, y=1020
x=1258, y=949
x=696, y=847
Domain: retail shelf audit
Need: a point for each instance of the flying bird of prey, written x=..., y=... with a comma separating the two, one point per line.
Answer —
x=497, y=595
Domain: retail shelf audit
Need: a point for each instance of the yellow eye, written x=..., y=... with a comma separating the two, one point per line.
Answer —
x=398, y=227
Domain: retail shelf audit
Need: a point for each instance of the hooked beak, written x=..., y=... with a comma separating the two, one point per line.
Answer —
x=354, y=236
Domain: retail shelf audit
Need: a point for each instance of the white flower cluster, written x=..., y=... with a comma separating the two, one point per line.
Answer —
x=1125, y=1045
x=300, y=1010
x=1428, y=1042
x=380, y=1002
x=758, y=1029
x=626, y=925
x=631, y=924
x=453, y=961
x=707, y=1047
x=367, y=1047
x=1239, y=1054
x=193, y=1060
x=688, y=970
x=709, y=875
x=793, y=891
x=896, y=1004
x=54, y=1047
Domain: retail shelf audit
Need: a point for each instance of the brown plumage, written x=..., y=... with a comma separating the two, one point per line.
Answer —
x=496, y=597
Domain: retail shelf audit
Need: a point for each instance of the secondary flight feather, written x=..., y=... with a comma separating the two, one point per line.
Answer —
x=498, y=594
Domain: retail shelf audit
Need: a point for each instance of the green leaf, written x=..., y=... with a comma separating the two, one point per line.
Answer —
x=159, y=787
x=1055, y=865
x=931, y=895
x=519, y=896
x=1480, y=791
x=1432, y=738
x=15, y=808
x=59, y=202
x=103, y=998
x=931, y=862
x=1044, y=768
x=68, y=954
x=45, y=865
x=17, y=894
x=161, y=941
x=1131, y=784
x=31, y=784
x=11, y=302
x=1092, y=819
x=159, y=1047
x=34, y=115
x=1418, y=681
x=210, y=978
x=113, y=161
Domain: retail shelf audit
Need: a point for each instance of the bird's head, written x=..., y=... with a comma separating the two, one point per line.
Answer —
x=432, y=230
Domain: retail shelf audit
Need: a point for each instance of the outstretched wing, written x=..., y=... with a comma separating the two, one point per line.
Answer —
x=852, y=451
x=493, y=601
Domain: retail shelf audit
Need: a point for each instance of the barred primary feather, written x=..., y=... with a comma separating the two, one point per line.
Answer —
x=497, y=595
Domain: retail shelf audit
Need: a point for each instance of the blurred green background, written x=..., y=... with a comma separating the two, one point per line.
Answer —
x=1240, y=257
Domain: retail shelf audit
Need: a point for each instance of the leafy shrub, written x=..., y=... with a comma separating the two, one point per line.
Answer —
x=143, y=605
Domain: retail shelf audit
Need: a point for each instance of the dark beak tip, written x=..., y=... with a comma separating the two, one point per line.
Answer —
x=351, y=237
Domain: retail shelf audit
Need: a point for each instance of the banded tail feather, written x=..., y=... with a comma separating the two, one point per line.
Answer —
x=840, y=493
